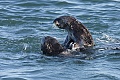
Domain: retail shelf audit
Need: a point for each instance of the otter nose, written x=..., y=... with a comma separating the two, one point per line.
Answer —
x=57, y=23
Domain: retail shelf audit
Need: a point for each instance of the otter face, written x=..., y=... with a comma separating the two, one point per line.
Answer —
x=60, y=23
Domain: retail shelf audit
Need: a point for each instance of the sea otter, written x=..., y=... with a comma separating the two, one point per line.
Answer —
x=78, y=34
x=78, y=38
x=51, y=47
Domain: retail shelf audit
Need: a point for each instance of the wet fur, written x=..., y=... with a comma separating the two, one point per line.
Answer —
x=77, y=32
x=78, y=38
x=50, y=46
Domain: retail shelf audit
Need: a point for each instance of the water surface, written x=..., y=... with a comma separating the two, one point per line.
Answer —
x=24, y=23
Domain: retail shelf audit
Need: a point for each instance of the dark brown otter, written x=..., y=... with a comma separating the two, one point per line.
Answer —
x=78, y=34
x=50, y=46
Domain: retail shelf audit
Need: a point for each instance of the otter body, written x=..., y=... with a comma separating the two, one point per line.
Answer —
x=78, y=34
x=78, y=38
x=51, y=47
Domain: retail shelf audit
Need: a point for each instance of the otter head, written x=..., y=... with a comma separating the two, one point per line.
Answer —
x=50, y=46
x=63, y=22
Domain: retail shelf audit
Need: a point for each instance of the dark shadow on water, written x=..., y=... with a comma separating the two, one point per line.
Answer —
x=13, y=78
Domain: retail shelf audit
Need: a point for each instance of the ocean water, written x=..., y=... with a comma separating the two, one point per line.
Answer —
x=24, y=22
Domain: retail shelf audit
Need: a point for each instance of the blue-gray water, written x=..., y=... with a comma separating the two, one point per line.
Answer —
x=24, y=22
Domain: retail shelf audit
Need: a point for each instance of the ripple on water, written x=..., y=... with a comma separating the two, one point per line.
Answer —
x=106, y=76
x=31, y=4
x=11, y=22
x=24, y=23
x=113, y=56
x=13, y=78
